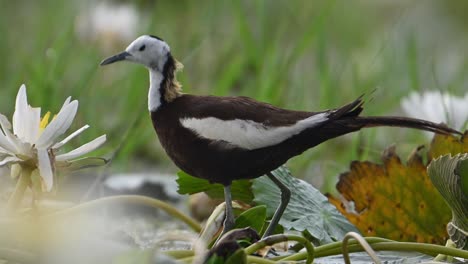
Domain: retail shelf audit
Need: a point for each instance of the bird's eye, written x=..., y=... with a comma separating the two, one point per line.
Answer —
x=142, y=48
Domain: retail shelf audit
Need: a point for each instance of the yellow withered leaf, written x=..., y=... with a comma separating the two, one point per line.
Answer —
x=442, y=145
x=397, y=200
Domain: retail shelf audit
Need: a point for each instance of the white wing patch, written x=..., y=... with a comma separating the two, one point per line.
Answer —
x=247, y=133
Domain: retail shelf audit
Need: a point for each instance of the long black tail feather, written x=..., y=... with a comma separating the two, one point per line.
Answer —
x=347, y=119
x=374, y=121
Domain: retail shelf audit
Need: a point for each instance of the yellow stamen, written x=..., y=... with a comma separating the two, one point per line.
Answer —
x=44, y=121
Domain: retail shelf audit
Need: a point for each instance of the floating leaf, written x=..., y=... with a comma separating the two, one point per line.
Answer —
x=462, y=171
x=308, y=209
x=254, y=217
x=241, y=189
x=446, y=174
x=448, y=144
x=397, y=200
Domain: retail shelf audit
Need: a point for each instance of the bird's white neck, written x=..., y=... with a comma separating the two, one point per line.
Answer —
x=154, y=94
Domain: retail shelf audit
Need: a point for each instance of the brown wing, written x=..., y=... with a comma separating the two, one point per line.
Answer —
x=245, y=108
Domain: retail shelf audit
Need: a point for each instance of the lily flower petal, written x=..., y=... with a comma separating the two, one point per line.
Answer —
x=67, y=102
x=3, y=151
x=58, y=126
x=84, y=149
x=25, y=118
x=457, y=110
x=31, y=126
x=5, y=144
x=8, y=141
x=8, y=160
x=437, y=107
x=45, y=168
x=21, y=107
x=4, y=122
x=70, y=137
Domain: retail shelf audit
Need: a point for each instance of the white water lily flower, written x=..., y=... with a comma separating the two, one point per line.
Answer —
x=107, y=23
x=437, y=107
x=33, y=143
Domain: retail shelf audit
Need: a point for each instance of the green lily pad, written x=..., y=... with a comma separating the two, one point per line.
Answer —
x=462, y=171
x=254, y=217
x=241, y=189
x=308, y=209
x=448, y=175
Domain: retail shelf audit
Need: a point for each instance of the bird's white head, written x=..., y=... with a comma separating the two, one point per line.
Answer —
x=147, y=50
x=155, y=54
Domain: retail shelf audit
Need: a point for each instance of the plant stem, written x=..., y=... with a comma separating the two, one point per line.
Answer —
x=429, y=249
x=271, y=240
x=259, y=260
x=250, y=259
x=331, y=247
x=178, y=254
x=363, y=243
x=186, y=260
x=17, y=195
x=133, y=199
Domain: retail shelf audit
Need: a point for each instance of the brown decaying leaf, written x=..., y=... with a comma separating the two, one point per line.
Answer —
x=396, y=200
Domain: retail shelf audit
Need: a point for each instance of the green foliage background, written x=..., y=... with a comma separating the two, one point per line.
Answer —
x=305, y=55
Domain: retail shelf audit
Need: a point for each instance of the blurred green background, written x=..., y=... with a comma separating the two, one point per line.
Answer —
x=305, y=55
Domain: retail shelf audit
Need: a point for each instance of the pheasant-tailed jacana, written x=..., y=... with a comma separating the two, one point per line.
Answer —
x=222, y=139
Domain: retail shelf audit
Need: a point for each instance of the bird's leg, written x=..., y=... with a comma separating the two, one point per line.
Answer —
x=285, y=196
x=229, y=220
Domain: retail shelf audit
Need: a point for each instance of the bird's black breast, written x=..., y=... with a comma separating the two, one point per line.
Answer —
x=200, y=157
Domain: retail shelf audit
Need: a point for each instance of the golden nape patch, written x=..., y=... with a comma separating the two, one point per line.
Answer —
x=173, y=88
x=397, y=200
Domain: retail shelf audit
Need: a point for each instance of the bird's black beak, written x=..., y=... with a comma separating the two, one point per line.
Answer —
x=119, y=57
